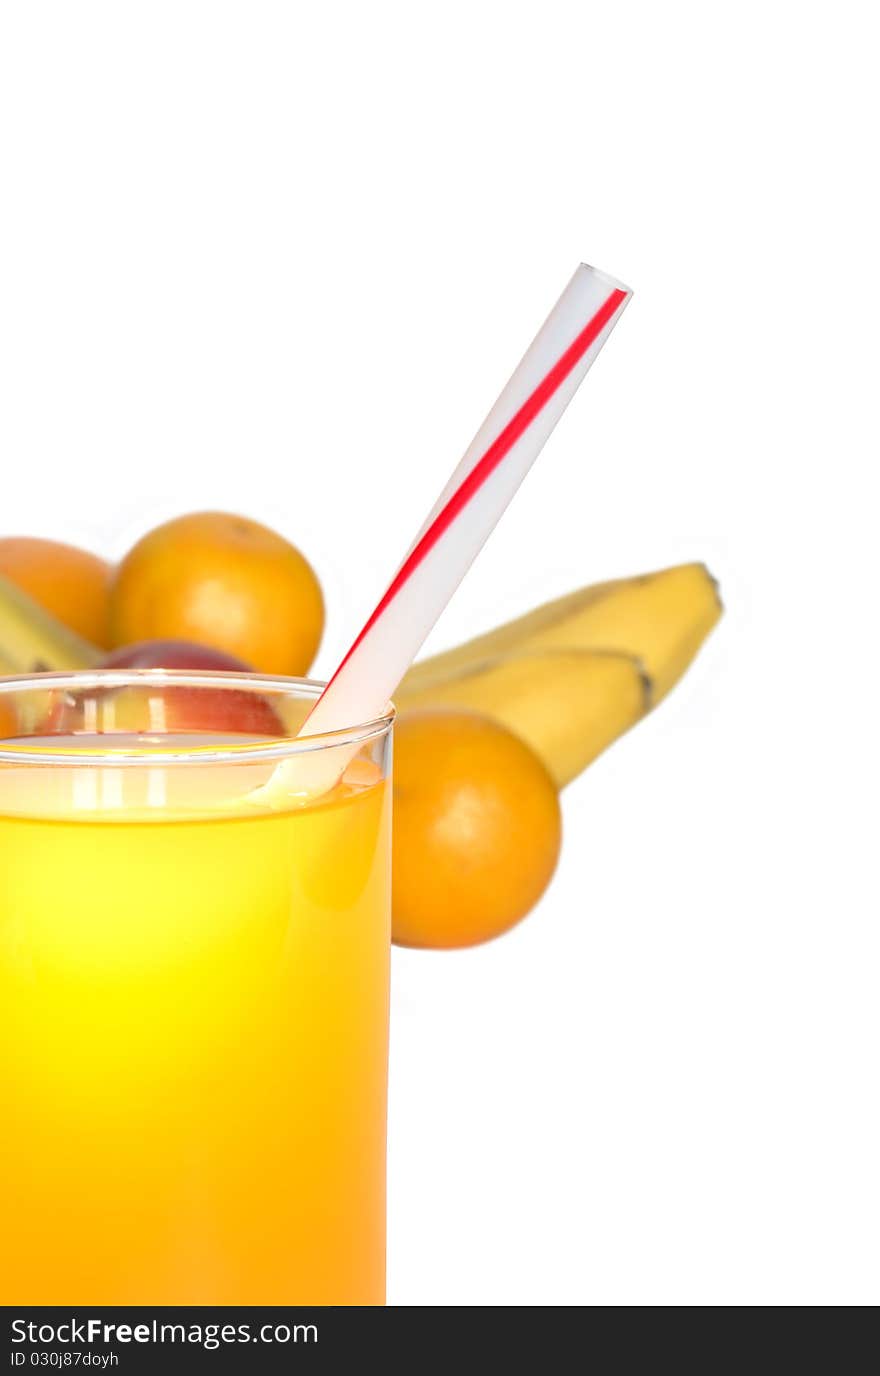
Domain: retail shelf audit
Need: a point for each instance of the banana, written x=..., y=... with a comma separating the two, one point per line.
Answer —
x=31, y=640
x=662, y=618
x=568, y=705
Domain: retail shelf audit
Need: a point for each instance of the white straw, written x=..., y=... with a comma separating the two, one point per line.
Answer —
x=473, y=501
x=455, y=530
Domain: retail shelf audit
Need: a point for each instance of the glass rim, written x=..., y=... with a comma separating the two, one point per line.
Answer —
x=282, y=747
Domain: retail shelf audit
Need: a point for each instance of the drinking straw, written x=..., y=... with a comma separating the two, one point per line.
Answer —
x=473, y=501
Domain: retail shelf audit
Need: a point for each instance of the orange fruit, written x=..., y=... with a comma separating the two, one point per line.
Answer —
x=8, y=718
x=69, y=582
x=223, y=581
x=477, y=829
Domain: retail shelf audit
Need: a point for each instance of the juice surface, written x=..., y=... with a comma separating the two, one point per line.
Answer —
x=193, y=1044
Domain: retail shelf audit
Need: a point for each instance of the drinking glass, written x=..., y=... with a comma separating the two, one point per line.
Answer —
x=194, y=953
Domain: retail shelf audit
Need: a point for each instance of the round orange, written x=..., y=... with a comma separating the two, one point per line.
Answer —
x=8, y=718
x=223, y=581
x=69, y=582
x=477, y=829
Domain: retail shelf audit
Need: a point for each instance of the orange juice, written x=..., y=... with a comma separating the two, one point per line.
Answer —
x=193, y=1023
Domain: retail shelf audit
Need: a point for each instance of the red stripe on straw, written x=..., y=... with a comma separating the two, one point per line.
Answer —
x=498, y=449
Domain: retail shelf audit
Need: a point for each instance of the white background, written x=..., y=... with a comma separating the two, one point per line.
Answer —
x=280, y=259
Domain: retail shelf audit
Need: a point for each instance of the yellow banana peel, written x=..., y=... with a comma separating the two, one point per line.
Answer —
x=661, y=618
x=568, y=705
x=7, y=665
x=573, y=675
x=32, y=640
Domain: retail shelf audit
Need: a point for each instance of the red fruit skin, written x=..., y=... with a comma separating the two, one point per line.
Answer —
x=214, y=711
x=172, y=654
